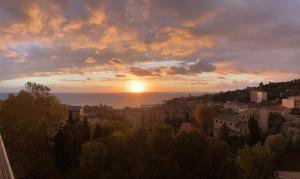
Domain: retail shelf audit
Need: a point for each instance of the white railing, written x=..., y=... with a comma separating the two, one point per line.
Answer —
x=5, y=168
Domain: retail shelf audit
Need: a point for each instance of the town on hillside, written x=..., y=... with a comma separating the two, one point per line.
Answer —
x=272, y=115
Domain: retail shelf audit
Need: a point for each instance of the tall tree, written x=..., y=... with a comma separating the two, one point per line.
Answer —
x=86, y=133
x=256, y=162
x=67, y=146
x=29, y=122
x=224, y=133
x=97, y=132
x=204, y=116
x=254, y=131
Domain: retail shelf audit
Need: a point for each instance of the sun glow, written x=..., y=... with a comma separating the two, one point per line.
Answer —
x=137, y=87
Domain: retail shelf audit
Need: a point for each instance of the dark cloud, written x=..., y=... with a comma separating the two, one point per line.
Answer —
x=197, y=67
x=141, y=72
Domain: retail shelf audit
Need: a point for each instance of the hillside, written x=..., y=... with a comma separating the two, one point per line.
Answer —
x=275, y=91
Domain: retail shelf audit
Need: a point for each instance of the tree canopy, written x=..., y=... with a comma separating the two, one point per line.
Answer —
x=29, y=122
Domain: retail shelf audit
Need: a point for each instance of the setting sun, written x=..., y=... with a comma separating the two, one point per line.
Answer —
x=137, y=87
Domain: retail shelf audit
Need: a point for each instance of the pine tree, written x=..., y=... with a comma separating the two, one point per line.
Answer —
x=86, y=133
x=224, y=132
x=254, y=131
x=97, y=132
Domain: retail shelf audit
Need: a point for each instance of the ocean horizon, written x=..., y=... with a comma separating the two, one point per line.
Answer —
x=116, y=100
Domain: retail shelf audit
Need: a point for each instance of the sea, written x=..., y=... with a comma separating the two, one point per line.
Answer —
x=116, y=100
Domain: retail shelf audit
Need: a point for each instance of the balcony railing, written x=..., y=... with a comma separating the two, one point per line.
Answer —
x=5, y=168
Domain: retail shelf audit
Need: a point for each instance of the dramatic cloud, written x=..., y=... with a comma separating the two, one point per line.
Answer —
x=141, y=72
x=197, y=67
x=158, y=40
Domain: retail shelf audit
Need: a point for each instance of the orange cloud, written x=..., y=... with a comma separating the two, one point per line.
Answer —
x=181, y=43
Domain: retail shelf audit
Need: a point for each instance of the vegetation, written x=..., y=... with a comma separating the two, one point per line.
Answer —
x=43, y=142
x=275, y=121
x=155, y=153
x=256, y=162
x=277, y=144
x=204, y=118
x=29, y=122
x=254, y=132
x=275, y=91
x=224, y=133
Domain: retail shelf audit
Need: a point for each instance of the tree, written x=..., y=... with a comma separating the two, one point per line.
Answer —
x=97, y=132
x=29, y=122
x=155, y=153
x=293, y=137
x=204, y=116
x=67, y=146
x=256, y=162
x=275, y=121
x=93, y=160
x=276, y=143
x=223, y=133
x=202, y=157
x=254, y=131
x=86, y=133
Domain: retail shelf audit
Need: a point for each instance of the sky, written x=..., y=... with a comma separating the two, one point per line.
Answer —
x=165, y=45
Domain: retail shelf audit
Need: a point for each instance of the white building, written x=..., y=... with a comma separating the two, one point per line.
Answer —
x=258, y=96
x=291, y=102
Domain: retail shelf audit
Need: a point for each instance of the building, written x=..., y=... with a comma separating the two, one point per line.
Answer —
x=291, y=102
x=151, y=114
x=76, y=112
x=133, y=116
x=236, y=106
x=235, y=124
x=258, y=96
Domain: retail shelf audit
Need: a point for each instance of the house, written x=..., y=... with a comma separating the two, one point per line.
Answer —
x=235, y=124
x=264, y=113
x=235, y=106
x=258, y=96
x=76, y=111
x=291, y=102
x=133, y=116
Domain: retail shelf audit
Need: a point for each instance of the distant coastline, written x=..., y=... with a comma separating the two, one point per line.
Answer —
x=116, y=100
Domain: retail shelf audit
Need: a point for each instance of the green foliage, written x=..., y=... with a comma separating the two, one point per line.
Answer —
x=204, y=117
x=275, y=121
x=276, y=143
x=155, y=153
x=275, y=91
x=238, y=95
x=29, y=122
x=93, y=160
x=37, y=89
x=86, y=132
x=256, y=162
x=97, y=132
x=110, y=127
x=175, y=122
x=254, y=132
x=293, y=137
x=224, y=133
x=68, y=143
